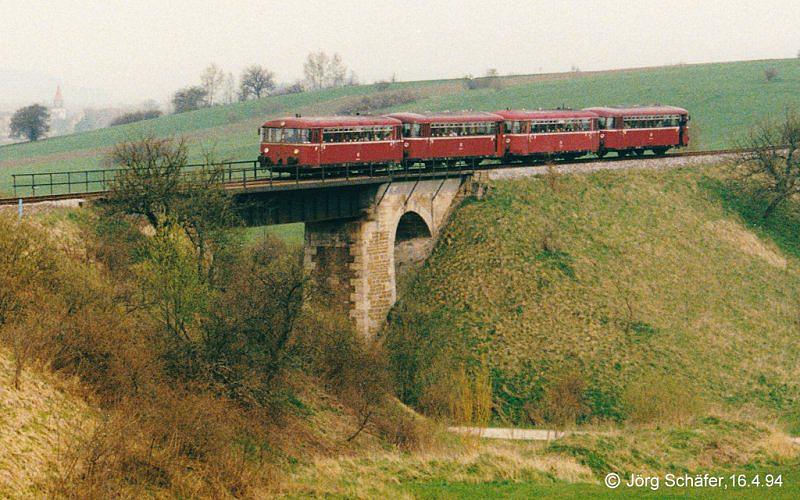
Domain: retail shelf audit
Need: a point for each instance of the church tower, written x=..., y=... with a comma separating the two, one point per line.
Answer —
x=58, y=112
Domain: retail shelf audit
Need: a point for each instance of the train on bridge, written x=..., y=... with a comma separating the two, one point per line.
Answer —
x=427, y=139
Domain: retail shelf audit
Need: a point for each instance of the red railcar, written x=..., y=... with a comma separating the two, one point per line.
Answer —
x=549, y=133
x=637, y=129
x=449, y=136
x=299, y=142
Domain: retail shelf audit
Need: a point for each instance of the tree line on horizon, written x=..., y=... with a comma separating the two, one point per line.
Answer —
x=216, y=87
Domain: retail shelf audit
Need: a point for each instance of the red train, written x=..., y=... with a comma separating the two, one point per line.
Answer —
x=448, y=138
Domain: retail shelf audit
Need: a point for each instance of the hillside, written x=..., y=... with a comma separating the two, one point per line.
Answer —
x=722, y=97
x=649, y=291
x=146, y=431
x=41, y=424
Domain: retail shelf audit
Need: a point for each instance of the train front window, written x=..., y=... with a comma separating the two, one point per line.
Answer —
x=270, y=134
x=296, y=135
x=287, y=135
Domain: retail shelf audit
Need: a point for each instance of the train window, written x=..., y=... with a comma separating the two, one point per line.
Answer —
x=412, y=130
x=271, y=134
x=296, y=135
x=288, y=135
x=463, y=129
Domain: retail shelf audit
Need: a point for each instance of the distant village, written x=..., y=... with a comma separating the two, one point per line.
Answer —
x=64, y=120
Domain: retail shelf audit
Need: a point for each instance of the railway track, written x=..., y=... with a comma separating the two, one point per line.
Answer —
x=315, y=179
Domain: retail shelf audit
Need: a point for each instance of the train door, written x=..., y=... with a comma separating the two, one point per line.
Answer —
x=426, y=142
x=683, y=137
x=316, y=141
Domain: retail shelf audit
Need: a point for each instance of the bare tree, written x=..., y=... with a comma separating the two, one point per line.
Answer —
x=229, y=91
x=772, y=160
x=323, y=71
x=154, y=183
x=212, y=80
x=314, y=69
x=256, y=82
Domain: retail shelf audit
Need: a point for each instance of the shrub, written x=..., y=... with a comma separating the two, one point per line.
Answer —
x=657, y=398
x=353, y=368
x=562, y=403
x=374, y=102
x=771, y=73
x=484, y=82
x=135, y=116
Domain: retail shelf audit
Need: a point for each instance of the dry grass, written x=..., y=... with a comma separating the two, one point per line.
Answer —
x=463, y=460
x=735, y=233
x=715, y=442
x=38, y=424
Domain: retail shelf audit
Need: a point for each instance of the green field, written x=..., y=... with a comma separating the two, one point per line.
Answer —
x=512, y=490
x=723, y=98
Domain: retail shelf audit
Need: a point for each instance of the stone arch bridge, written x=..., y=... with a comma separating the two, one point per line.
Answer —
x=360, y=239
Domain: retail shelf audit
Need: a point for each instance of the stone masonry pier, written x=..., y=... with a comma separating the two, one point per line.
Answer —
x=356, y=262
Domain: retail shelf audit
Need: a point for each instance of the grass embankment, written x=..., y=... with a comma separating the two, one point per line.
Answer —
x=647, y=224
x=723, y=98
x=39, y=424
x=643, y=296
x=573, y=467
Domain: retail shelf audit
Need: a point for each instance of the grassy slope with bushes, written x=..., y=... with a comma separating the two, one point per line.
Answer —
x=722, y=97
x=646, y=295
x=139, y=431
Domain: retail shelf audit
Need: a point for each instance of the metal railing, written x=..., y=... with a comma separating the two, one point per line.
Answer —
x=99, y=180
x=235, y=174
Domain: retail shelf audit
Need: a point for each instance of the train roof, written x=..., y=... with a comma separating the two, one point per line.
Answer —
x=331, y=121
x=544, y=114
x=637, y=110
x=450, y=117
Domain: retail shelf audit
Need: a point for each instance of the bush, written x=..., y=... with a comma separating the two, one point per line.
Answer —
x=657, y=398
x=135, y=116
x=562, y=403
x=459, y=396
x=374, y=102
x=485, y=82
x=353, y=368
x=771, y=74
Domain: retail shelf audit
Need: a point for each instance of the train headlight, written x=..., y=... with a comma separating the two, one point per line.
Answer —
x=296, y=151
x=405, y=144
x=508, y=140
x=266, y=150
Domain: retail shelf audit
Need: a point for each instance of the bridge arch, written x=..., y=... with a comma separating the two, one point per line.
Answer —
x=413, y=239
x=361, y=261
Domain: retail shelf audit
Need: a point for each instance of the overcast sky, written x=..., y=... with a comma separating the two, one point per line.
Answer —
x=133, y=50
